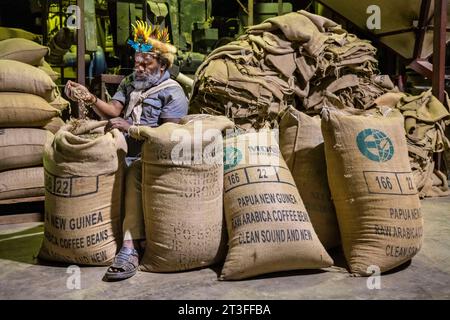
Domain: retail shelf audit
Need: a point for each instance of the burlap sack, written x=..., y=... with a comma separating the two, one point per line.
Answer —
x=7, y=33
x=59, y=103
x=24, y=110
x=269, y=229
x=83, y=196
x=49, y=70
x=182, y=194
x=373, y=189
x=16, y=76
x=21, y=148
x=301, y=144
x=22, y=50
x=22, y=183
x=54, y=125
x=192, y=117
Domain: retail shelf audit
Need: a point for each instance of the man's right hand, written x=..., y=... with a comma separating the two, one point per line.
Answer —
x=117, y=123
x=78, y=92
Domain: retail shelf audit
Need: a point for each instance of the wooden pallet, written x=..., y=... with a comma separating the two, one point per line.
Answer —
x=21, y=210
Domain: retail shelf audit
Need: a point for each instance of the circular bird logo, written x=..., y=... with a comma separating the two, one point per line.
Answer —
x=375, y=145
x=231, y=158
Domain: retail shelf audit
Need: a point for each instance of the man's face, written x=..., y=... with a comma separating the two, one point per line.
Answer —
x=147, y=70
x=145, y=64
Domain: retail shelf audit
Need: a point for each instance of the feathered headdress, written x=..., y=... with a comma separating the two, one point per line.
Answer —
x=152, y=38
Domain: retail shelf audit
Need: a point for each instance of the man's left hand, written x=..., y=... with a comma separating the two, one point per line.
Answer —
x=117, y=123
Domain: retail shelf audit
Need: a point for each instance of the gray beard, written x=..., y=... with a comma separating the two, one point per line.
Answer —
x=147, y=82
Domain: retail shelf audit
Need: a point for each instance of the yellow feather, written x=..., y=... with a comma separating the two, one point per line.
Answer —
x=153, y=34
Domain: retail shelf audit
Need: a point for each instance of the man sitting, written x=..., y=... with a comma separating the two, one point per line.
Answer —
x=146, y=97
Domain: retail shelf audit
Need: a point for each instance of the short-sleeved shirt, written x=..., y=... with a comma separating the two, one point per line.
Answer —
x=167, y=103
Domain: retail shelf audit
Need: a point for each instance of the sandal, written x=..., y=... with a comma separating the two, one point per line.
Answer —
x=124, y=266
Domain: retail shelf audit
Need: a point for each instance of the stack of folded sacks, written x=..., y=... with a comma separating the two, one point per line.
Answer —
x=30, y=108
x=309, y=62
x=426, y=119
x=298, y=59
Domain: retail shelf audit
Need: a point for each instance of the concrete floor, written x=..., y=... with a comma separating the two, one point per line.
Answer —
x=427, y=277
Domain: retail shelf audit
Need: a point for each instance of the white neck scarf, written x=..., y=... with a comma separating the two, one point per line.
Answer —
x=137, y=97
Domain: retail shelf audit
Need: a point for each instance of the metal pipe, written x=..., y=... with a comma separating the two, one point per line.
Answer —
x=250, y=13
x=440, y=37
x=280, y=7
x=44, y=22
x=208, y=4
x=185, y=80
x=81, y=48
x=421, y=31
x=440, y=18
